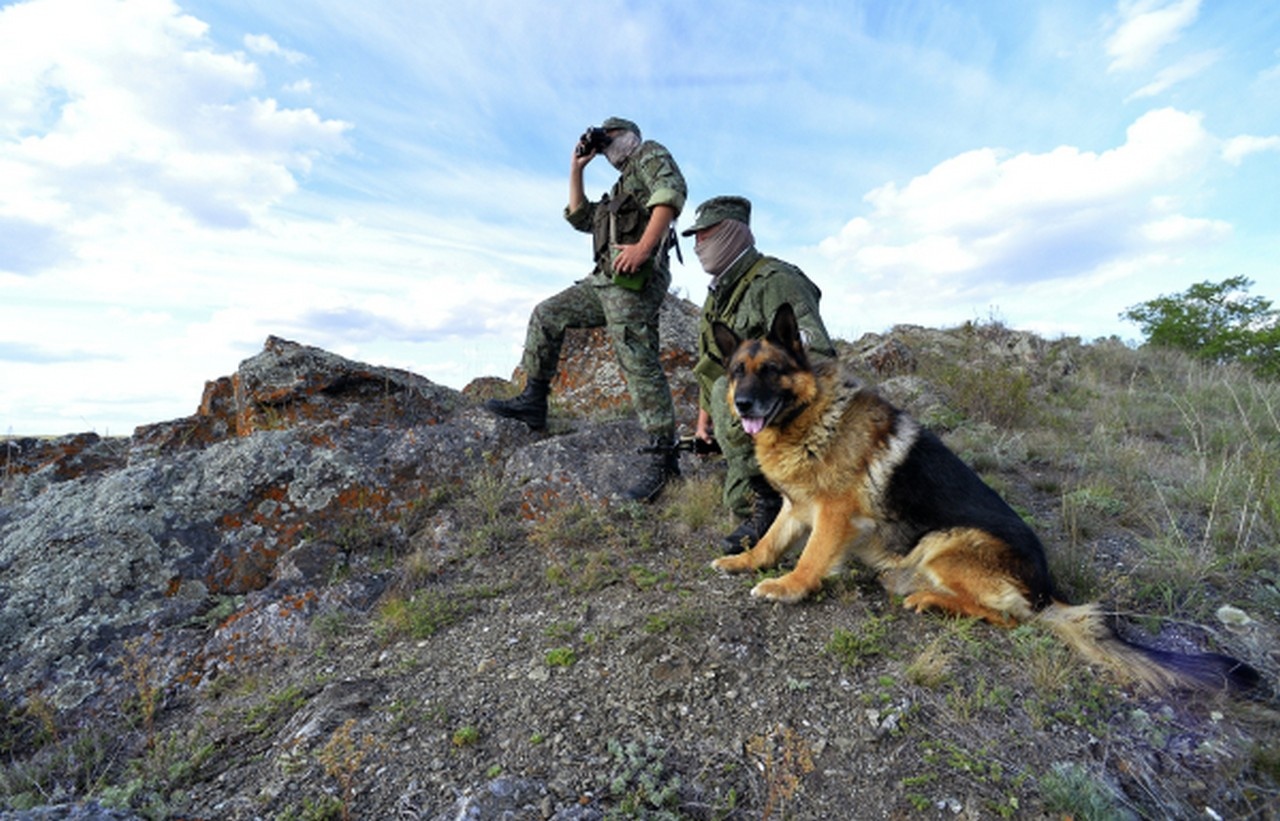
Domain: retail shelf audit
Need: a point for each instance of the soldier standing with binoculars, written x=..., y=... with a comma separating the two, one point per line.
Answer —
x=633, y=229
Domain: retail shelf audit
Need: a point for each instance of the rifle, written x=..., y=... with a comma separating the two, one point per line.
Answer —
x=686, y=444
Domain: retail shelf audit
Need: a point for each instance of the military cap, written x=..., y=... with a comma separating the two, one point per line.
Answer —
x=717, y=209
x=618, y=122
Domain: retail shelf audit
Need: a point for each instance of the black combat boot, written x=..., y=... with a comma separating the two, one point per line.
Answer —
x=664, y=464
x=529, y=407
x=765, y=504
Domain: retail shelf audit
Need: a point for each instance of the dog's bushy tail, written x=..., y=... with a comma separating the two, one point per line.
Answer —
x=1086, y=629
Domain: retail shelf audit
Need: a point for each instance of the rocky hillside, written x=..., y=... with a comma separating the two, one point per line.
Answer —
x=343, y=591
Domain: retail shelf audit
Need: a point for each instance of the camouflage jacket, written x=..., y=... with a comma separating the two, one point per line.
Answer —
x=650, y=177
x=745, y=298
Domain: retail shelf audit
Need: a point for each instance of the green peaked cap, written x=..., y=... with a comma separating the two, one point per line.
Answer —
x=718, y=209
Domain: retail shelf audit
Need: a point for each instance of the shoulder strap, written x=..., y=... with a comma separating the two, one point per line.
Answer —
x=740, y=290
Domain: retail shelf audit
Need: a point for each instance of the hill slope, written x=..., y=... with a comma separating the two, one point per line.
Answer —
x=339, y=588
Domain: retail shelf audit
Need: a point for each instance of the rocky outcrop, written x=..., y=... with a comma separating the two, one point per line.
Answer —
x=285, y=463
x=288, y=385
x=590, y=384
x=898, y=351
x=95, y=560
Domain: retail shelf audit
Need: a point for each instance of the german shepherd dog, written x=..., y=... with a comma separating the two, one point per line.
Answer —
x=861, y=478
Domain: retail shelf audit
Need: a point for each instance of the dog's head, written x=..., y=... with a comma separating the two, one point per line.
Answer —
x=769, y=377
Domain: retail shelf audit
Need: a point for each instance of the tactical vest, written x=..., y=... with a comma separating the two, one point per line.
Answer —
x=622, y=217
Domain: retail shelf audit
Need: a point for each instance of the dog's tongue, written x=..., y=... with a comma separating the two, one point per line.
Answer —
x=752, y=425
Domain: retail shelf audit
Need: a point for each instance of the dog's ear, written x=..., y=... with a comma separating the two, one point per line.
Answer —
x=726, y=340
x=785, y=332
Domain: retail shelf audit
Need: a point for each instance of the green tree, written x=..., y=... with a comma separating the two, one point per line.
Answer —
x=1220, y=322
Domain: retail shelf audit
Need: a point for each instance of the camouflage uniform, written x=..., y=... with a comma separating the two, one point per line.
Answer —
x=746, y=297
x=627, y=308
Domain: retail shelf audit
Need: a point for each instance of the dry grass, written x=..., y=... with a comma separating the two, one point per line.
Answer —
x=1150, y=478
x=1148, y=447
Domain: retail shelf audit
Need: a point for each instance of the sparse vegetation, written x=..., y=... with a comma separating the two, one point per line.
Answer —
x=590, y=651
x=853, y=647
x=139, y=669
x=421, y=615
x=561, y=657
x=641, y=782
x=1070, y=789
x=465, y=736
x=342, y=757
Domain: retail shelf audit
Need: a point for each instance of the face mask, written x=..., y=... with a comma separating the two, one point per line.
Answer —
x=622, y=147
x=723, y=247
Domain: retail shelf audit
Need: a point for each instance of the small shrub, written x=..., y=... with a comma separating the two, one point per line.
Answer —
x=275, y=710
x=643, y=577
x=342, y=756
x=138, y=662
x=488, y=490
x=561, y=630
x=572, y=528
x=932, y=667
x=77, y=764
x=467, y=736
x=641, y=782
x=980, y=383
x=677, y=621
x=28, y=728
x=1000, y=395
x=561, y=657
x=696, y=503
x=1049, y=664
x=1071, y=790
x=586, y=573
x=851, y=648
x=325, y=808
x=970, y=703
x=420, y=616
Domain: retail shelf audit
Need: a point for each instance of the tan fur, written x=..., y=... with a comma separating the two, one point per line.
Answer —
x=833, y=448
x=825, y=481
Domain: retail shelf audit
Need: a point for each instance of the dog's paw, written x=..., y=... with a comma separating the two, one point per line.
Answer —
x=915, y=602
x=733, y=564
x=784, y=589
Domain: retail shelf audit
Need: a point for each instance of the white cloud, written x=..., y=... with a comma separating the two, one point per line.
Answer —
x=265, y=44
x=986, y=219
x=1179, y=72
x=1237, y=148
x=128, y=106
x=1145, y=27
x=163, y=304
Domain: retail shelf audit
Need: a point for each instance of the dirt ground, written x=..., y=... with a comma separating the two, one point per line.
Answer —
x=594, y=666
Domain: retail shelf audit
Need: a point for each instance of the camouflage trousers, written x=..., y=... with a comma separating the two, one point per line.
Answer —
x=739, y=450
x=631, y=320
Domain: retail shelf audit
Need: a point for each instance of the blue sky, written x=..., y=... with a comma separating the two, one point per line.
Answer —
x=178, y=180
